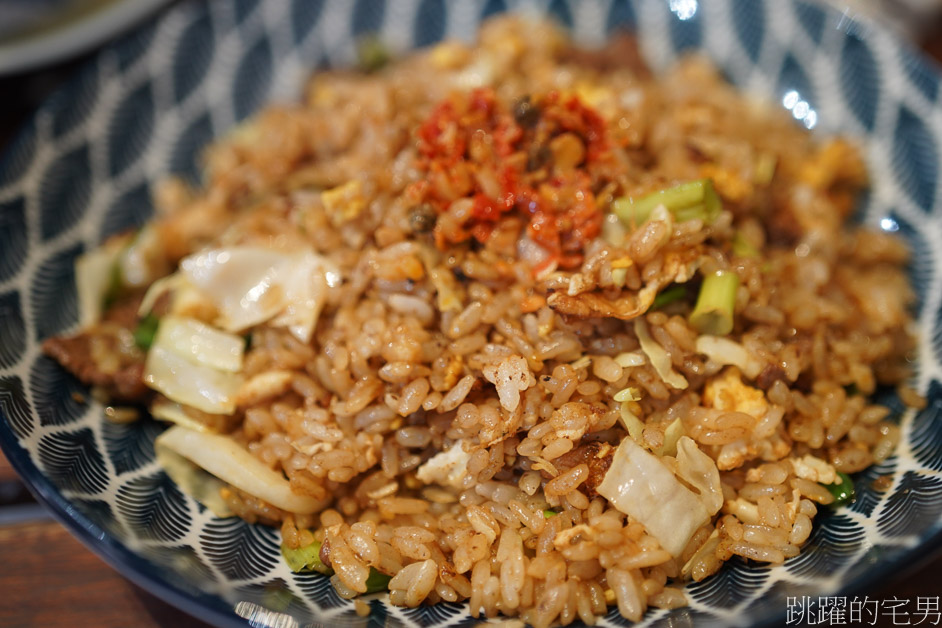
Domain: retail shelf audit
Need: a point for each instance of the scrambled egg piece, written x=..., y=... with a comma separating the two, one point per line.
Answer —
x=344, y=202
x=727, y=392
x=814, y=469
x=447, y=468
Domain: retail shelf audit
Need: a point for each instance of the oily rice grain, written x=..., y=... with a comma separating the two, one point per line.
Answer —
x=474, y=362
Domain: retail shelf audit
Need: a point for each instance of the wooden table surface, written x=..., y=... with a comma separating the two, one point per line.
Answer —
x=49, y=579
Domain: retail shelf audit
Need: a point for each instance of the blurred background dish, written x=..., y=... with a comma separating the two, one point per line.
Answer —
x=35, y=33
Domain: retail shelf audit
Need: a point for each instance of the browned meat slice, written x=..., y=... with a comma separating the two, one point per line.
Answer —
x=594, y=304
x=622, y=51
x=598, y=457
x=100, y=358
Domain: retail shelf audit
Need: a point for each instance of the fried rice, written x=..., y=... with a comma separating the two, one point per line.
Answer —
x=516, y=324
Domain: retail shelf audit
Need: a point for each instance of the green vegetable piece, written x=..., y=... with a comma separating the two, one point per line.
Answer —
x=713, y=313
x=372, y=53
x=305, y=559
x=547, y=514
x=619, y=276
x=842, y=490
x=278, y=598
x=377, y=581
x=687, y=201
x=145, y=331
x=669, y=295
x=765, y=169
x=115, y=285
x=742, y=247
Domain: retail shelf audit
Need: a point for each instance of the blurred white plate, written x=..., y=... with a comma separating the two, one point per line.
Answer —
x=57, y=37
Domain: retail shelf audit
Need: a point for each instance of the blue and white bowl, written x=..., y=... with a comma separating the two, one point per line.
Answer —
x=84, y=165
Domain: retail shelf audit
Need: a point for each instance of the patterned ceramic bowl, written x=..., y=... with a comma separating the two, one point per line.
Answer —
x=82, y=169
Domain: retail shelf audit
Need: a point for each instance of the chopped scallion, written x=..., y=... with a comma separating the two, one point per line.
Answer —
x=713, y=313
x=687, y=201
x=115, y=285
x=742, y=247
x=307, y=558
x=842, y=490
x=668, y=296
x=372, y=54
x=146, y=331
x=547, y=514
x=377, y=581
x=765, y=168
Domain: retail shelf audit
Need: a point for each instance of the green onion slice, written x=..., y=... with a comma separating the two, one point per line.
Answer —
x=713, y=313
x=307, y=558
x=377, y=581
x=842, y=490
x=687, y=201
x=146, y=331
x=669, y=295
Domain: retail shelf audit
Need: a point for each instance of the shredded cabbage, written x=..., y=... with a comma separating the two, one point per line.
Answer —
x=164, y=410
x=631, y=393
x=251, y=285
x=641, y=486
x=192, y=480
x=660, y=359
x=96, y=273
x=700, y=472
x=201, y=343
x=671, y=435
x=156, y=290
x=227, y=460
x=196, y=385
x=729, y=352
x=143, y=260
x=631, y=422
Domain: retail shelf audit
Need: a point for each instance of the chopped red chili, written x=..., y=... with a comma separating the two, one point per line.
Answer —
x=473, y=136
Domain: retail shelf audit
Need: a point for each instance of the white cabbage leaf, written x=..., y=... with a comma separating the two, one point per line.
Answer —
x=230, y=462
x=729, y=352
x=250, y=285
x=95, y=274
x=156, y=290
x=699, y=471
x=660, y=359
x=196, y=385
x=200, y=343
x=142, y=261
x=192, y=480
x=164, y=410
x=641, y=486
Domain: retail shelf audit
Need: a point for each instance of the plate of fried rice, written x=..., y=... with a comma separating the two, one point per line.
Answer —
x=428, y=314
